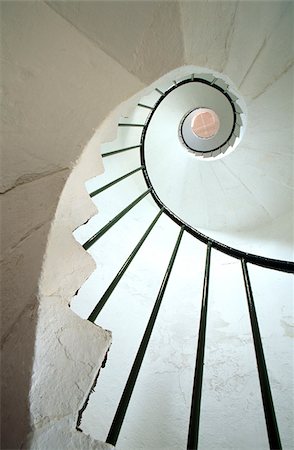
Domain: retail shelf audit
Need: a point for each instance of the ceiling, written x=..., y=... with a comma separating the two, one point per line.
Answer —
x=248, y=188
x=252, y=186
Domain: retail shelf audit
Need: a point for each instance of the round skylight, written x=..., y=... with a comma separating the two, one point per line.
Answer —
x=205, y=123
x=211, y=128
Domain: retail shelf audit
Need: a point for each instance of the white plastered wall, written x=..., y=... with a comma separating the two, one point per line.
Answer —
x=158, y=413
x=58, y=86
x=68, y=351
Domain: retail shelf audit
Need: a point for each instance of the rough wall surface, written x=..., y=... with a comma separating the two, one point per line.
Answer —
x=248, y=41
x=144, y=36
x=58, y=86
x=20, y=268
x=158, y=413
x=68, y=351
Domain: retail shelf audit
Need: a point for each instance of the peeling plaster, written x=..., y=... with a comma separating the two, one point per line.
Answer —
x=80, y=412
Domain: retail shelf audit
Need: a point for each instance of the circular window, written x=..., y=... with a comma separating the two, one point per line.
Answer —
x=205, y=123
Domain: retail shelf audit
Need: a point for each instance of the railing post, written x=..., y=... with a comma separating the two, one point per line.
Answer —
x=114, y=152
x=131, y=125
x=198, y=375
x=106, y=227
x=94, y=314
x=268, y=405
x=117, y=180
x=145, y=106
x=130, y=384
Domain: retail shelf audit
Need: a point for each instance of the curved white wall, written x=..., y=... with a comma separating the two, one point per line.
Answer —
x=58, y=85
x=158, y=413
x=246, y=189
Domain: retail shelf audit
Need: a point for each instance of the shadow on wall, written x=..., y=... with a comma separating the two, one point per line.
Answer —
x=58, y=86
x=50, y=112
x=20, y=272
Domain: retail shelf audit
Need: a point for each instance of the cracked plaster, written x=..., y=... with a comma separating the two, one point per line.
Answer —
x=57, y=89
x=49, y=113
x=159, y=409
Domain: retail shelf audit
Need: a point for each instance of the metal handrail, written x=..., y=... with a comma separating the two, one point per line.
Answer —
x=198, y=375
x=94, y=314
x=112, y=222
x=269, y=263
x=130, y=384
x=267, y=399
x=112, y=183
x=244, y=257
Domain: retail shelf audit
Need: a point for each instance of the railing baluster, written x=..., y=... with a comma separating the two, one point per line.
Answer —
x=130, y=384
x=131, y=125
x=114, y=152
x=268, y=405
x=103, y=230
x=94, y=314
x=198, y=375
x=144, y=106
x=112, y=183
x=286, y=266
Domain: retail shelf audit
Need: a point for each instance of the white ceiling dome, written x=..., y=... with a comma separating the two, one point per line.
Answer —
x=245, y=189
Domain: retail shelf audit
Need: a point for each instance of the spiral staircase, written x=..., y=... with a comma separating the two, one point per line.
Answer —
x=150, y=192
x=209, y=226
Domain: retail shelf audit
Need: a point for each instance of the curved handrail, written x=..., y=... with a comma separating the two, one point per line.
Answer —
x=285, y=266
x=269, y=263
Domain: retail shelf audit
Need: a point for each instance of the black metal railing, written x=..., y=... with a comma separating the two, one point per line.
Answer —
x=130, y=384
x=268, y=405
x=245, y=258
x=198, y=376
